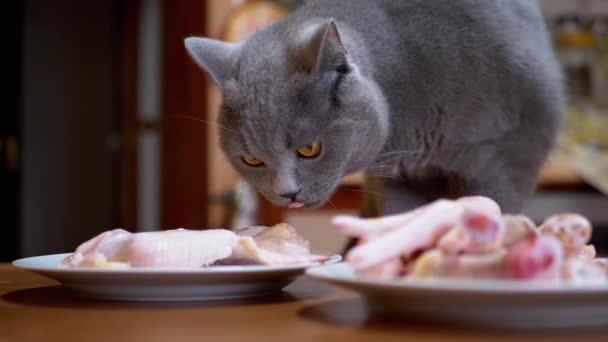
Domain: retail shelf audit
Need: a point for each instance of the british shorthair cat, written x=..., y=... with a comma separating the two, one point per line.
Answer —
x=437, y=98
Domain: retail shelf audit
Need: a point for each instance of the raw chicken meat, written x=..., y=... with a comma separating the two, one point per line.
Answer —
x=470, y=238
x=179, y=247
x=573, y=230
x=277, y=245
x=118, y=248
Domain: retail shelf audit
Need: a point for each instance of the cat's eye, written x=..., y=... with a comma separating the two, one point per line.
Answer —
x=252, y=161
x=311, y=150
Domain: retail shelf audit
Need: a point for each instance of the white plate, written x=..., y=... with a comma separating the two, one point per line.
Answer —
x=509, y=304
x=168, y=284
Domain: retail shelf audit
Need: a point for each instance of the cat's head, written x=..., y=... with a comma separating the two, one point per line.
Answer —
x=297, y=113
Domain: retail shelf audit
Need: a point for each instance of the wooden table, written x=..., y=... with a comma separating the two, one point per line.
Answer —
x=33, y=308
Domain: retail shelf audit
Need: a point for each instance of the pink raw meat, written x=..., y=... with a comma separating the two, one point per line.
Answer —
x=421, y=229
x=469, y=238
x=278, y=245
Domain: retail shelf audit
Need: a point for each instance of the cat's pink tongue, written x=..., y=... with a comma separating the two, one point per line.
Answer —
x=296, y=204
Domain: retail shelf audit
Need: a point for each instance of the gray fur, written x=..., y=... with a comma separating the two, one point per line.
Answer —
x=441, y=98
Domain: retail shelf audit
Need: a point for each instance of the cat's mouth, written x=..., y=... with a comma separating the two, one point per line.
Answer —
x=313, y=204
x=304, y=202
x=301, y=204
x=296, y=204
x=310, y=202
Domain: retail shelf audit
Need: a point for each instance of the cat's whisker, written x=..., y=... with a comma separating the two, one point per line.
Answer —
x=362, y=191
x=387, y=163
x=389, y=177
x=382, y=167
x=242, y=186
x=402, y=152
x=315, y=194
x=384, y=163
x=207, y=122
x=393, y=159
x=241, y=189
x=240, y=192
x=376, y=174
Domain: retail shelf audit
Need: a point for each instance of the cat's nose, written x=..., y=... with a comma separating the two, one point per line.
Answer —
x=291, y=195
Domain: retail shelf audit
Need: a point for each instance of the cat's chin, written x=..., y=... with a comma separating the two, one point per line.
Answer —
x=314, y=204
x=306, y=204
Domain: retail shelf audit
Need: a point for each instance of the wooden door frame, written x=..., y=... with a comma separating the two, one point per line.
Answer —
x=10, y=138
x=184, y=164
x=125, y=168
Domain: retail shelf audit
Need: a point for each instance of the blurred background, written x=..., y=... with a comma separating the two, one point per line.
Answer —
x=107, y=124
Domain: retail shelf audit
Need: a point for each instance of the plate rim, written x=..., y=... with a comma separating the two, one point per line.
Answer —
x=22, y=263
x=462, y=286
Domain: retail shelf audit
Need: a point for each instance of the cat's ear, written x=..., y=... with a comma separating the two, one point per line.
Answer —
x=322, y=48
x=214, y=56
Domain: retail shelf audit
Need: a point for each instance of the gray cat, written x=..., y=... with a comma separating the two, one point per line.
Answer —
x=438, y=98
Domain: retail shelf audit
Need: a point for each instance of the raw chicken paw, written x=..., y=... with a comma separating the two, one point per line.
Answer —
x=470, y=238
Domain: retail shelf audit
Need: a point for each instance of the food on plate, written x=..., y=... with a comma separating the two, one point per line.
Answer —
x=118, y=248
x=471, y=238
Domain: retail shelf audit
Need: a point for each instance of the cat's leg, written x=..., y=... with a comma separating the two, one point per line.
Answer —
x=371, y=205
x=519, y=155
x=511, y=196
x=399, y=198
x=510, y=175
x=387, y=196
